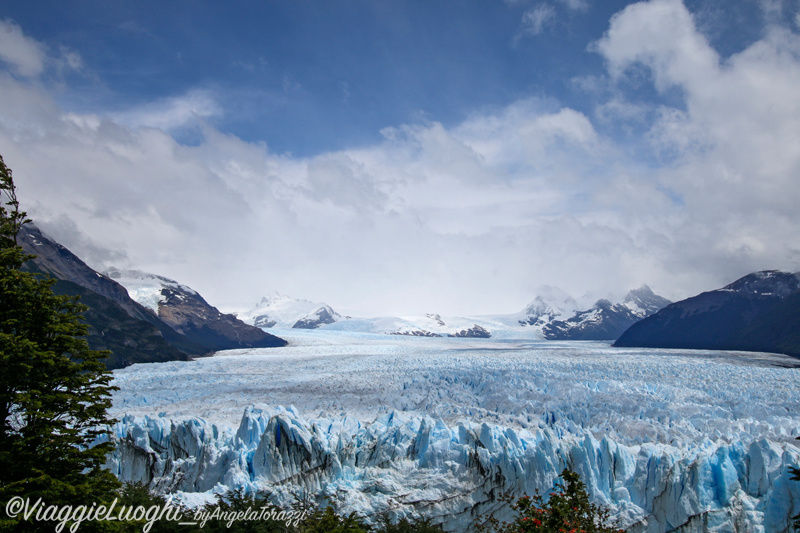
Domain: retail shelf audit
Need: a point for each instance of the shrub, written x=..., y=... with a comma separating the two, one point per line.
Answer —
x=567, y=510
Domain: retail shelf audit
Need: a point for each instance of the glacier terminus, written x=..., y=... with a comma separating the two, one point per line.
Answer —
x=669, y=440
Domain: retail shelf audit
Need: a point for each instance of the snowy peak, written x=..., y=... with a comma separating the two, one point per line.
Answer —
x=766, y=283
x=433, y=325
x=606, y=320
x=550, y=304
x=185, y=311
x=643, y=302
x=319, y=317
x=147, y=289
x=279, y=310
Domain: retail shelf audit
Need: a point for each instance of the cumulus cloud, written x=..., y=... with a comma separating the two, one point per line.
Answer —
x=25, y=55
x=661, y=35
x=466, y=218
x=735, y=144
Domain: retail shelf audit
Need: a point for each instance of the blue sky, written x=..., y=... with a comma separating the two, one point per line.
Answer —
x=411, y=156
x=312, y=76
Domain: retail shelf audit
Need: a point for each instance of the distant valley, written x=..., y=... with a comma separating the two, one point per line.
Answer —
x=144, y=317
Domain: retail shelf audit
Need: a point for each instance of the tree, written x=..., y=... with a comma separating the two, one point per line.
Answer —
x=54, y=390
x=568, y=510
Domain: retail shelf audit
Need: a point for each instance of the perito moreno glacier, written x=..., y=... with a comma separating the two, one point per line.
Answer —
x=669, y=440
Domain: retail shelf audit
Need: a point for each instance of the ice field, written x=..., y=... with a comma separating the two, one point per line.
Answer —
x=669, y=439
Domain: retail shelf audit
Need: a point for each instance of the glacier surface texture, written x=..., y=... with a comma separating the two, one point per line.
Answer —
x=669, y=440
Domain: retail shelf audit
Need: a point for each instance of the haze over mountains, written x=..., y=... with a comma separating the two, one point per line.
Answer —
x=145, y=317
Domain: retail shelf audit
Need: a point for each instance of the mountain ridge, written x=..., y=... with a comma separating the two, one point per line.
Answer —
x=758, y=312
x=605, y=320
x=131, y=331
x=116, y=322
x=188, y=313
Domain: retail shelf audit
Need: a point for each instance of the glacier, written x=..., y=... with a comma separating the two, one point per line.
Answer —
x=668, y=440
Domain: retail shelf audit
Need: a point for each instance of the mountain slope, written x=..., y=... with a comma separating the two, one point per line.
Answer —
x=758, y=312
x=777, y=330
x=185, y=311
x=116, y=322
x=130, y=340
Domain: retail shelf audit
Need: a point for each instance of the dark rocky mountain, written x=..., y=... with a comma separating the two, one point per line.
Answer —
x=606, y=320
x=759, y=312
x=116, y=322
x=475, y=331
x=186, y=312
x=416, y=333
x=776, y=330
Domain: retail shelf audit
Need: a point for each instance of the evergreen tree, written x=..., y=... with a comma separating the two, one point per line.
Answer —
x=54, y=390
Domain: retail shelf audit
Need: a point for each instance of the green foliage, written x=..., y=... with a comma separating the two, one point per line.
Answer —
x=567, y=510
x=54, y=390
x=327, y=521
x=237, y=504
x=133, y=495
x=415, y=525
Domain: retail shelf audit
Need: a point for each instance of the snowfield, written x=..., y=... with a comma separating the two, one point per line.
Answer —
x=697, y=440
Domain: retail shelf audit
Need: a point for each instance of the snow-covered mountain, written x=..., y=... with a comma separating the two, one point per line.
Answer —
x=280, y=311
x=185, y=311
x=606, y=320
x=553, y=314
x=550, y=304
x=116, y=322
x=148, y=289
x=433, y=325
x=558, y=316
x=642, y=302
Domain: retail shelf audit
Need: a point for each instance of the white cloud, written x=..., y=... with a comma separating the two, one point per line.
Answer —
x=70, y=60
x=661, y=35
x=171, y=113
x=25, y=55
x=469, y=218
x=576, y=5
x=735, y=148
x=536, y=19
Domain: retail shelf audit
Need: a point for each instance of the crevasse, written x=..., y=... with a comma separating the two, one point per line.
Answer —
x=405, y=464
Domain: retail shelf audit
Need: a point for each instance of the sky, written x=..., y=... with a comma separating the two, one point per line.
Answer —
x=410, y=156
